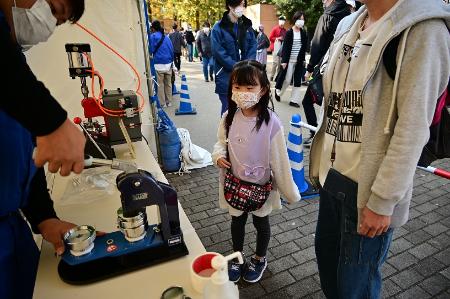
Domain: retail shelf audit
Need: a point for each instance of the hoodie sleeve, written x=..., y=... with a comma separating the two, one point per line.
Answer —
x=281, y=169
x=25, y=98
x=416, y=101
x=220, y=148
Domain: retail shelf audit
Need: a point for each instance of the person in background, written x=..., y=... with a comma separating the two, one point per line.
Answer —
x=250, y=124
x=190, y=39
x=232, y=40
x=293, y=60
x=178, y=43
x=205, y=51
x=27, y=110
x=335, y=11
x=276, y=37
x=365, y=153
x=263, y=44
x=163, y=56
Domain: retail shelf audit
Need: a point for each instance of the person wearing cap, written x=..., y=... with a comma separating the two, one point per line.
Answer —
x=232, y=40
x=263, y=44
x=276, y=37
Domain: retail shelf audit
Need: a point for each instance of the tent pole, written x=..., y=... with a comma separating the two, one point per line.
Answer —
x=143, y=16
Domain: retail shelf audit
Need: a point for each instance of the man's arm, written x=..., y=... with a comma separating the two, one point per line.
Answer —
x=24, y=97
x=219, y=53
x=321, y=41
x=39, y=206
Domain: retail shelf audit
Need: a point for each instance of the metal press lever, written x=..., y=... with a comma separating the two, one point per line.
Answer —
x=123, y=165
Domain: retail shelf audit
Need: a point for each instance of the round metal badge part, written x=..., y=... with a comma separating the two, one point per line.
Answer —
x=80, y=240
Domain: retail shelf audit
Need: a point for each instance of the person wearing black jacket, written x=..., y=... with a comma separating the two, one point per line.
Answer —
x=335, y=11
x=292, y=60
x=28, y=110
x=178, y=43
x=190, y=40
x=205, y=52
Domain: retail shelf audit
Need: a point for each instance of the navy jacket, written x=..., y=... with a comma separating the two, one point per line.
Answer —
x=229, y=48
x=165, y=53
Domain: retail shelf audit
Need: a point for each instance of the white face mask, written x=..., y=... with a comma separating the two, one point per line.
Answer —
x=34, y=25
x=300, y=23
x=206, y=30
x=281, y=22
x=238, y=11
x=245, y=99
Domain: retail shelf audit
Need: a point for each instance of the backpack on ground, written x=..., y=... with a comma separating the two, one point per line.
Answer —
x=438, y=146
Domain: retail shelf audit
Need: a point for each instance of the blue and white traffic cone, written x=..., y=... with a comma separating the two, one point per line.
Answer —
x=185, y=100
x=174, y=88
x=295, y=152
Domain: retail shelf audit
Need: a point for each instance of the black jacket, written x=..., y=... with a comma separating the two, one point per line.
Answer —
x=204, y=44
x=189, y=36
x=23, y=97
x=326, y=26
x=287, y=46
x=39, y=206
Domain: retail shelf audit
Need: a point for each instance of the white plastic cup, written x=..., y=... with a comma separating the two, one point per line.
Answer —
x=201, y=270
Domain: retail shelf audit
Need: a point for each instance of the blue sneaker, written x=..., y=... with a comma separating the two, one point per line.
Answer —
x=254, y=270
x=234, y=271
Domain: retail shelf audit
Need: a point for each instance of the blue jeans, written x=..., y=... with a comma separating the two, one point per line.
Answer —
x=190, y=48
x=208, y=61
x=223, y=97
x=349, y=264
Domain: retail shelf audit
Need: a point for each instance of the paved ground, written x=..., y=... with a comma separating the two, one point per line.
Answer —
x=419, y=259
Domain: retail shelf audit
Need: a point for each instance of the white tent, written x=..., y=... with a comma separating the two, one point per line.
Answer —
x=118, y=23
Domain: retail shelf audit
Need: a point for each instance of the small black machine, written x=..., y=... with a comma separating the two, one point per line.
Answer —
x=136, y=244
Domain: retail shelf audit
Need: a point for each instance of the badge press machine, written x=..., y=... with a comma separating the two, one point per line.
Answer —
x=136, y=244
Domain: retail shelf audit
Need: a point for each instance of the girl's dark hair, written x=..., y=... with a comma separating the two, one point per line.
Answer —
x=234, y=3
x=77, y=7
x=297, y=16
x=157, y=26
x=250, y=72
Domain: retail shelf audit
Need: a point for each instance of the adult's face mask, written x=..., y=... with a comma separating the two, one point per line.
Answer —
x=300, y=23
x=33, y=25
x=281, y=22
x=206, y=30
x=245, y=99
x=238, y=11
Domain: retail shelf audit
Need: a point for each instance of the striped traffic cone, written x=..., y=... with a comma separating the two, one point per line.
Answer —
x=295, y=152
x=174, y=89
x=185, y=100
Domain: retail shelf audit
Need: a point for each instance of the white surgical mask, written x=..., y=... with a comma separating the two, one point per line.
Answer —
x=245, y=99
x=239, y=11
x=206, y=30
x=34, y=25
x=281, y=22
x=300, y=23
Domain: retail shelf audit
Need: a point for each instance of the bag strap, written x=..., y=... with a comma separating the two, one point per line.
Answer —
x=158, y=45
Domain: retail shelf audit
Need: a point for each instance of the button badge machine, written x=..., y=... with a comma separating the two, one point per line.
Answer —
x=136, y=244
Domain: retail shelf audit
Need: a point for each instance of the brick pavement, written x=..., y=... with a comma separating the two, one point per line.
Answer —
x=419, y=261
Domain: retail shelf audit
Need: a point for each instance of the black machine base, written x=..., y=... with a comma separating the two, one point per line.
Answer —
x=113, y=266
